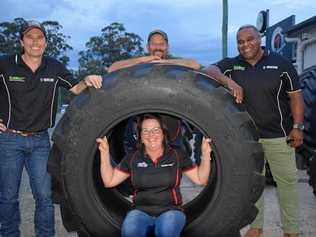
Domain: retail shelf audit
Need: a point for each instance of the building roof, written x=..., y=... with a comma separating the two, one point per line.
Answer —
x=302, y=27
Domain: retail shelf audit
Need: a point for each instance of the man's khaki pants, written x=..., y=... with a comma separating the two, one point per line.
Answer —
x=281, y=158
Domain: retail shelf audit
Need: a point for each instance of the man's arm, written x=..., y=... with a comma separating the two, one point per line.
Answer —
x=88, y=81
x=292, y=85
x=191, y=63
x=235, y=89
x=297, y=109
x=131, y=62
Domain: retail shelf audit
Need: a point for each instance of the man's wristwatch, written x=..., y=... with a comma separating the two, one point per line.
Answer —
x=299, y=126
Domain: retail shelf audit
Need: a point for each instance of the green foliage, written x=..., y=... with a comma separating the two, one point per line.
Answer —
x=56, y=41
x=112, y=45
x=9, y=36
x=57, y=46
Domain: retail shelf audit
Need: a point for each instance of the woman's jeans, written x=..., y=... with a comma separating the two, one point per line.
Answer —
x=31, y=152
x=139, y=224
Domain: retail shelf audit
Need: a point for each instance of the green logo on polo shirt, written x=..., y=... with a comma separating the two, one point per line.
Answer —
x=239, y=68
x=17, y=78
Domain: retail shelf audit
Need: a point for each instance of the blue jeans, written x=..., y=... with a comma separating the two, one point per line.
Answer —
x=17, y=151
x=139, y=224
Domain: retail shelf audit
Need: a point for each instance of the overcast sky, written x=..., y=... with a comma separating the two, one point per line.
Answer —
x=193, y=26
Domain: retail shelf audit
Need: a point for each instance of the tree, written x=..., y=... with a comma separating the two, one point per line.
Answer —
x=57, y=46
x=9, y=36
x=112, y=45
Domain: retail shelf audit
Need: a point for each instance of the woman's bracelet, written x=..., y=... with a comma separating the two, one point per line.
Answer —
x=208, y=158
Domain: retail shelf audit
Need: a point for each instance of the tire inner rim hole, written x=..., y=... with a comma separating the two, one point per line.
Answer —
x=121, y=136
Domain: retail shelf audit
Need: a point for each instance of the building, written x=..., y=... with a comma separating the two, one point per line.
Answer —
x=304, y=35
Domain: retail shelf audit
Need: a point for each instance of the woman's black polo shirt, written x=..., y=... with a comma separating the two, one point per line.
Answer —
x=28, y=101
x=266, y=86
x=156, y=185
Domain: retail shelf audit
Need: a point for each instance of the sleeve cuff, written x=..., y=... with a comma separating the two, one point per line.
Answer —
x=189, y=168
x=295, y=91
x=123, y=171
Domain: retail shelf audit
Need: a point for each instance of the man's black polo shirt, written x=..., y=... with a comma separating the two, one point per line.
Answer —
x=266, y=86
x=156, y=185
x=28, y=101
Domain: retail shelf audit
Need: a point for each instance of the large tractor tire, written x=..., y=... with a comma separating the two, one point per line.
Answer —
x=308, y=150
x=308, y=82
x=223, y=207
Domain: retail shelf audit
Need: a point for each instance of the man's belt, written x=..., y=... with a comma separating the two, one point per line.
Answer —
x=22, y=133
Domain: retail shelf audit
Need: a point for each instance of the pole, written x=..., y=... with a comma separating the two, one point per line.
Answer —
x=224, y=28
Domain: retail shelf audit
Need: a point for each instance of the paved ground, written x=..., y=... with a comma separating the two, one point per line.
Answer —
x=272, y=225
x=272, y=218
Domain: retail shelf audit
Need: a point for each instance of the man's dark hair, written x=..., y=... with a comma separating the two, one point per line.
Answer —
x=248, y=26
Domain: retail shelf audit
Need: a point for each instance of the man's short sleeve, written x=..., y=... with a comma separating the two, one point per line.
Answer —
x=125, y=164
x=289, y=76
x=66, y=79
x=224, y=65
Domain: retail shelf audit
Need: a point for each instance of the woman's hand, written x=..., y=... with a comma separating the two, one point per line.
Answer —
x=2, y=126
x=206, y=148
x=110, y=176
x=201, y=174
x=103, y=145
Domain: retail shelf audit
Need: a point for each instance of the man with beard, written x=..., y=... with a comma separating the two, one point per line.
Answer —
x=272, y=96
x=157, y=46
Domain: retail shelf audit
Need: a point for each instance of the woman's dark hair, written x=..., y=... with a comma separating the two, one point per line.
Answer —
x=163, y=127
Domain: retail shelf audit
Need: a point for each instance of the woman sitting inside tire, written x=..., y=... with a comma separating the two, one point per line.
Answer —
x=155, y=170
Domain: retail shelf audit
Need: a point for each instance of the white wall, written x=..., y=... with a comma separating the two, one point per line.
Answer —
x=309, y=58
